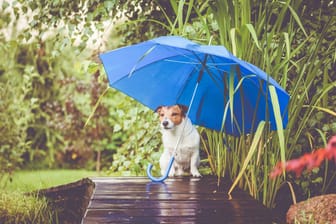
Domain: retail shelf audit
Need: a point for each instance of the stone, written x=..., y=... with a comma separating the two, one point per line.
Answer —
x=319, y=209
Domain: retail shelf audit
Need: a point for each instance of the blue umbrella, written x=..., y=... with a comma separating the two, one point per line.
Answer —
x=223, y=92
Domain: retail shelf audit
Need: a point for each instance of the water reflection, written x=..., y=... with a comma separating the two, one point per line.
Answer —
x=172, y=202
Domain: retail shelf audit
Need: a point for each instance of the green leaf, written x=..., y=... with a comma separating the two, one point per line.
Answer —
x=253, y=148
x=109, y=4
x=93, y=67
x=296, y=17
x=278, y=121
x=327, y=110
x=253, y=34
x=233, y=40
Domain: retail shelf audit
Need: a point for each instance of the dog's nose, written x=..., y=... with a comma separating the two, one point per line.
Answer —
x=165, y=123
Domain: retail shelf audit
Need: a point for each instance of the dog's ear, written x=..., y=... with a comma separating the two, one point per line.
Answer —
x=158, y=109
x=183, y=108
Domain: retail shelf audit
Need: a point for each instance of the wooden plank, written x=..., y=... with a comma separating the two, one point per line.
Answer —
x=149, y=204
x=179, y=186
x=159, y=196
x=179, y=200
x=176, y=212
x=210, y=217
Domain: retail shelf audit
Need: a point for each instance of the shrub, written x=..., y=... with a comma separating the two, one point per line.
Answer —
x=140, y=142
x=15, y=117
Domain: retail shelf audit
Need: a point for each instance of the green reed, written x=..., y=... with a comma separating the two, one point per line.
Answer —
x=255, y=31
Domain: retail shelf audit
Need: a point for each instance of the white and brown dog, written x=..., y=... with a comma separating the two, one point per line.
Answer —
x=174, y=124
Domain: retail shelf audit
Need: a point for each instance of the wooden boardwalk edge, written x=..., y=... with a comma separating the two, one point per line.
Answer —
x=177, y=200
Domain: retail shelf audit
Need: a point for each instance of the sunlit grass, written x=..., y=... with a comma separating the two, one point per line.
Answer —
x=27, y=181
x=18, y=207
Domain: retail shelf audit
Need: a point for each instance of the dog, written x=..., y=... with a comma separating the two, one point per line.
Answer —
x=174, y=125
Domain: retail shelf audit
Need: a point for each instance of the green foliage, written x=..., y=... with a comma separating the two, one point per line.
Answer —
x=48, y=89
x=15, y=113
x=251, y=151
x=63, y=90
x=77, y=20
x=45, y=100
x=281, y=57
x=272, y=35
x=68, y=114
x=17, y=207
x=141, y=141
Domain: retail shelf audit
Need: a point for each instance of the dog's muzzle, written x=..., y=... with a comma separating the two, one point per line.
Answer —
x=166, y=124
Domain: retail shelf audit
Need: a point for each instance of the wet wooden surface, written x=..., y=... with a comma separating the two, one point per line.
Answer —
x=178, y=200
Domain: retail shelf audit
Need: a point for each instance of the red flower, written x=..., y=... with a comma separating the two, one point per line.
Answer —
x=308, y=161
x=277, y=170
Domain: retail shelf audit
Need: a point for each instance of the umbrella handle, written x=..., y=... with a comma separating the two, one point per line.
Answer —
x=165, y=176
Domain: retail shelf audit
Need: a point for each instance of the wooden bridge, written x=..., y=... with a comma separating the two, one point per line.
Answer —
x=178, y=200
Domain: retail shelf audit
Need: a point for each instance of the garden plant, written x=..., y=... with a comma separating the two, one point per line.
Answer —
x=57, y=112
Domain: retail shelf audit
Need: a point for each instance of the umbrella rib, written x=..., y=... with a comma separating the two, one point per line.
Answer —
x=178, y=53
x=199, y=63
x=217, y=84
x=256, y=109
x=140, y=59
x=204, y=66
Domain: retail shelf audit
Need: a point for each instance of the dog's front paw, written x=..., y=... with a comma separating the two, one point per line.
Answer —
x=196, y=174
x=179, y=172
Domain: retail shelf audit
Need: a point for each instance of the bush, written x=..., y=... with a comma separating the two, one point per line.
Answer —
x=15, y=117
x=139, y=131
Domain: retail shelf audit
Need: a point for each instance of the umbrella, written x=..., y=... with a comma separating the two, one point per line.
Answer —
x=224, y=93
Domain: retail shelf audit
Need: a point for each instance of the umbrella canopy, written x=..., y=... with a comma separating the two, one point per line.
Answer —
x=227, y=94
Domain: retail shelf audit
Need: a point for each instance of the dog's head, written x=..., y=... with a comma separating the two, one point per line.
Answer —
x=171, y=116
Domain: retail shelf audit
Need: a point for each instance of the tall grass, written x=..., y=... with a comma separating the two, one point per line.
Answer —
x=17, y=208
x=270, y=35
x=274, y=39
x=279, y=58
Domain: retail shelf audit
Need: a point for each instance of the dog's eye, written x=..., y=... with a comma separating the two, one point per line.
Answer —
x=161, y=115
x=175, y=114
